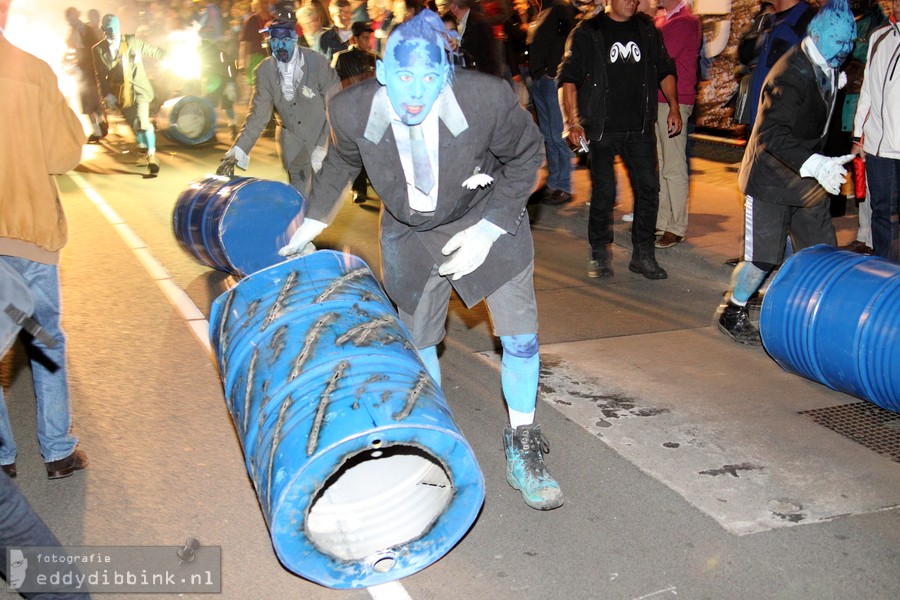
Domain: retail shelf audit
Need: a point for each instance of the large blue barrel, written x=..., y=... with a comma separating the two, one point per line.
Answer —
x=834, y=317
x=188, y=120
x=237, y=224
x=361, y=472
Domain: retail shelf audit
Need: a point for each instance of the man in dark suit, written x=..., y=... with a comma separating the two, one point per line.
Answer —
x=454, y=162
x=784, y=175
x=353, y=65
x=476, y=43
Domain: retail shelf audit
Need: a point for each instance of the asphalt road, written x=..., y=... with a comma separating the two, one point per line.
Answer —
x=638, y=391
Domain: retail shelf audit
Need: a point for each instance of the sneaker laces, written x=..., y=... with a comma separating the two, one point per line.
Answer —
x=534, y=445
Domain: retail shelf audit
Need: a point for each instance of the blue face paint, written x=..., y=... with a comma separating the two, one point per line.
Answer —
x=833, y=30
x=112, y=30
x=282, y=42
x=414, y=72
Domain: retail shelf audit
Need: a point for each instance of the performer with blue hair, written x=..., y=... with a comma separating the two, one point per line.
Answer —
x=123, y=82
x=453, y=158
x=784, y=176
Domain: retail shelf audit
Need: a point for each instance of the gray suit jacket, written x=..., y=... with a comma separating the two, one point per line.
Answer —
x=482, y=129
x=109, y=70
x=302, y=120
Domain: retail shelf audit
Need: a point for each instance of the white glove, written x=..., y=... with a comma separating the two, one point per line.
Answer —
x=470, y=248
x=110, y=101
x=300, y=241
x=827, y=170
x=316, y=158
x=242, y=158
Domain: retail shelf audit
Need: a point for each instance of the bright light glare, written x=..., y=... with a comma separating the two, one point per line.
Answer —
x=182, y=58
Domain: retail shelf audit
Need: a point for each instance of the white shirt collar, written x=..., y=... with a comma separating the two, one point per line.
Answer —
x=814, y=55
x=675, y=10
x=462, y=22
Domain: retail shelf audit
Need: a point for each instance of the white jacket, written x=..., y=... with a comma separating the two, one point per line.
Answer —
x=878, y=112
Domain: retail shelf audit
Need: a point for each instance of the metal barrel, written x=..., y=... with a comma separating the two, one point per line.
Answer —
x=834, y=317
x=236, y=224
x=359, y=468
x=188, y=120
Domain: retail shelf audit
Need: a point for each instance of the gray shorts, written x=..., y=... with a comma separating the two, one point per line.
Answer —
x=767, y=224
x=512, y=308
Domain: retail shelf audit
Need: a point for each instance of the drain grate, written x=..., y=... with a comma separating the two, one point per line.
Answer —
x=865, y=423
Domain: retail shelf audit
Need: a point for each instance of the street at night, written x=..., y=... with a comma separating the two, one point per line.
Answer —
x=686, y=466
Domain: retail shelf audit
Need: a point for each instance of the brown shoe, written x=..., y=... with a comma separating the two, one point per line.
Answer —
x=10, y=470
x=858, y=247
x=57, y=469
x=153, y=164
x=668, y=239
x=557, y=197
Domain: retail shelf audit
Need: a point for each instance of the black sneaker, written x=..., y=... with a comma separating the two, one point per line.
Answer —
x=735, y=323
x=600, y=268
x=648, y=267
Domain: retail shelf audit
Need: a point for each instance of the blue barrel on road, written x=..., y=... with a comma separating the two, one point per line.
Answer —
x=834, y=317
x=237, y=224
x=188, y=120
x=360, y=470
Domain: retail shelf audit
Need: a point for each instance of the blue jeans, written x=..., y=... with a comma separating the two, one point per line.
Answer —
x=638, y=151
x=559, y=157
x=20, y=527
x=883, y=185
x=48, y=367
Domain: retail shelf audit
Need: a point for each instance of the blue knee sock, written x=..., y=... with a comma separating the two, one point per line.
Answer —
x=429, y=357
x=746, y=279
x=150, y=137
x=520, y=370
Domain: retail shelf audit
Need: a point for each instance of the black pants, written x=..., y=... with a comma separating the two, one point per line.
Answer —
x=638, y=150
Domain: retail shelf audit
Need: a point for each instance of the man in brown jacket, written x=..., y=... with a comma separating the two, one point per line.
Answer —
x=39, y=136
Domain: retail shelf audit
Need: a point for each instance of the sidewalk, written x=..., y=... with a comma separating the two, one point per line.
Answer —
x=715, y=230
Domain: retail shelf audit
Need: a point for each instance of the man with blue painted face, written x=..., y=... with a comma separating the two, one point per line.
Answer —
x=453, y=158
x=123, y=81
x=784, y=175
x=295, y=83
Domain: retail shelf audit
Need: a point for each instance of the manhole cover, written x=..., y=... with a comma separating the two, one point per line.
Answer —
x=864, y=423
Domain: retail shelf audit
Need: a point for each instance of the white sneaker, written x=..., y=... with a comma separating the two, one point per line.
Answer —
x=628, y=217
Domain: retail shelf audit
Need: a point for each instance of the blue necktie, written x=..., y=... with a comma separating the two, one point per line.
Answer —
x=423, y=176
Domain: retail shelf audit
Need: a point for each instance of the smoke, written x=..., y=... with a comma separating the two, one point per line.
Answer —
x=39, y=26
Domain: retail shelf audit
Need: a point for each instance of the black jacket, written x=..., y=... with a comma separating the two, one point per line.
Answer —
x=548, y=38
x=791, y=126
x=477, y=45
x=584, y=64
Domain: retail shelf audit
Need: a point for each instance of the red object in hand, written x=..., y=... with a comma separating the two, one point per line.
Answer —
x=859, y=177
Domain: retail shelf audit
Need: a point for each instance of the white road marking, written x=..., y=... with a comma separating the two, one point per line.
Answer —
x=192, y=316
x=658, y=592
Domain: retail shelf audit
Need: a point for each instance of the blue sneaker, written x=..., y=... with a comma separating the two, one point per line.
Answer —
x=525, y=470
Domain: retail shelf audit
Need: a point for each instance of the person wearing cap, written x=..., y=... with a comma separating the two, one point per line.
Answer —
x=356, y=62
x=353, y=65
x=295, y=83
x=454, y=158
x=123, y=82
